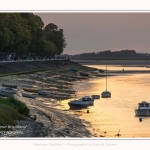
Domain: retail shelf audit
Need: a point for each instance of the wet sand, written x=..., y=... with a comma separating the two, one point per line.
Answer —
x=50, y=121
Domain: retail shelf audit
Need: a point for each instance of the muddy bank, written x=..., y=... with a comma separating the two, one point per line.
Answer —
x=50, y=121
x=27, y=66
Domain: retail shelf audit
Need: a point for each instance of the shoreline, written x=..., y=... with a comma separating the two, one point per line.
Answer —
x=50, y=121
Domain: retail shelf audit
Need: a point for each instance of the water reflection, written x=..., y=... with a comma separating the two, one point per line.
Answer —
x=116, y=116
x=118, y=67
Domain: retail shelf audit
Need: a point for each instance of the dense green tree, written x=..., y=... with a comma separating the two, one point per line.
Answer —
x=6, y=36
x=35, y=24
x=39, y=21
x=53, y=34
x=14, y=33
x=50, y=48
x=24, y=33
x=46, y=48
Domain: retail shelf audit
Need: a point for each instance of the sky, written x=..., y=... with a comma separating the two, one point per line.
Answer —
x=87, y=32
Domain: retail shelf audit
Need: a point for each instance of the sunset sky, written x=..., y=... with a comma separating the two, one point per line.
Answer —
x=100, y=31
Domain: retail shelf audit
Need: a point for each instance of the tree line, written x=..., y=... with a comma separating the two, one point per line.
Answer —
x=115, y=54
x=24, y=34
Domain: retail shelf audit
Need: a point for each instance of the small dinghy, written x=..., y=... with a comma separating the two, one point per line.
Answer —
x=6, y=94
x=45, y=93
x=73, y=70
x=9, y=85
x=84, y=74
x=31, y=90
x=29, y=95
x=8, y=90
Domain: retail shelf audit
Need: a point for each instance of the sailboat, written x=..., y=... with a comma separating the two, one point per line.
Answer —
x=106, y=94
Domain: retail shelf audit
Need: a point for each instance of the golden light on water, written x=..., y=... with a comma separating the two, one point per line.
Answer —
x=109, y=115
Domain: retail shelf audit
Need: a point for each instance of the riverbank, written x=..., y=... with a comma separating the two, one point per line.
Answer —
x=127, y=62
x=50, y=121
x=19, y=67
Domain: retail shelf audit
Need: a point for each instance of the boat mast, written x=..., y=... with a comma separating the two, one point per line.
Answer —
x=146, y=61
x=106, y=76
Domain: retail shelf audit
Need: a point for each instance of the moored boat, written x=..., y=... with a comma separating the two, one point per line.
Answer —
x=29, y=95
x=31, y=90
x=84, y=74
x=8, y=90
x=143, y=109
x=73, y=70
x=106, y=94
x=101, y=71
x=6, y=94
x=45, y=93
x=96, y=96
x=78, y=104
x=9, y=85
x=88, y=99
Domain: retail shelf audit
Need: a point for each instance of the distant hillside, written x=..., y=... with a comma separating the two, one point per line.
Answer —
x=115, y=54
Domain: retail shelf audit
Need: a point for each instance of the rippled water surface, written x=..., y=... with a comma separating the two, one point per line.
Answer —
x=109, y=115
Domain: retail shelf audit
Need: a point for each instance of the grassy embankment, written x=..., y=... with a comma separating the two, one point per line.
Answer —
x=12, y=109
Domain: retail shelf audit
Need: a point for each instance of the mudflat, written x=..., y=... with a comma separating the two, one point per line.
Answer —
x=50, y=121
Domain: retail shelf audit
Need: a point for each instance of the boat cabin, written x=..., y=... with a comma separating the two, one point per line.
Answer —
x=143, y=105
x=86, y=98
x=96, y=96
x=106, y=94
